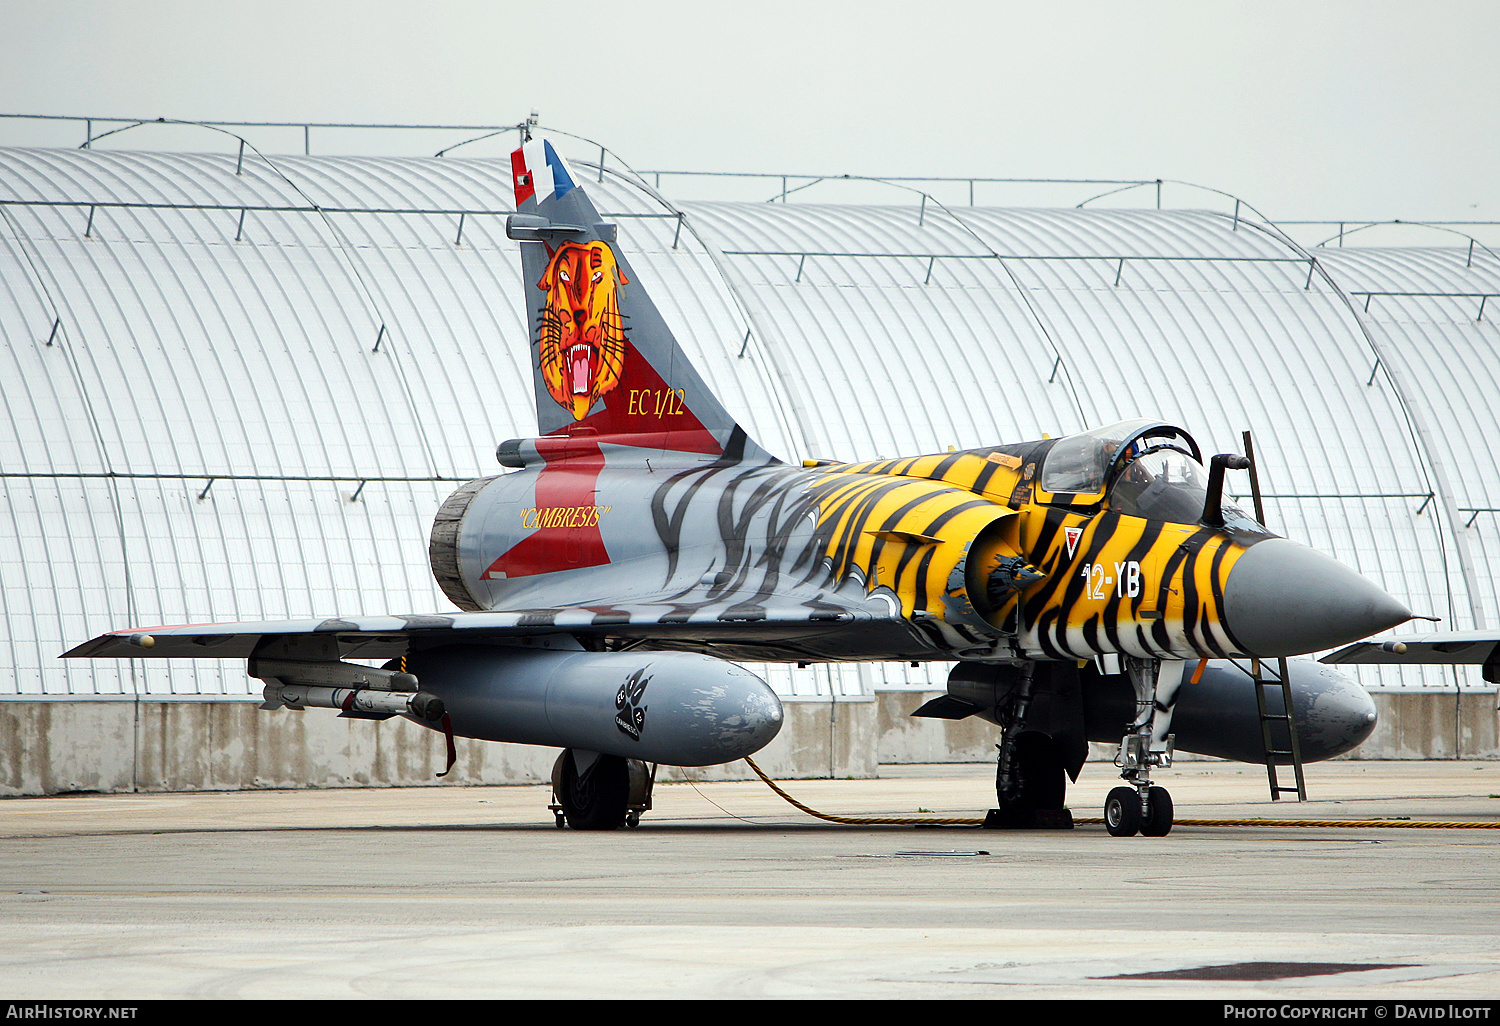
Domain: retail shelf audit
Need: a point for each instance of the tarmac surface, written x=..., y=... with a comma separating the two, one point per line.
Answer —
x=726, y=891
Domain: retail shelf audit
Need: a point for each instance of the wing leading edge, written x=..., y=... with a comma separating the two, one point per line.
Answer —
x=823, y=630
x=1465, y=648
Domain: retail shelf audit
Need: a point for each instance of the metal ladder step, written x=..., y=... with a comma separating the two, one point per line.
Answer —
x=1288, y=711
x=1267, y=717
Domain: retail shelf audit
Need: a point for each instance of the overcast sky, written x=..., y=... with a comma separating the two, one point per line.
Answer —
x=1307, y=109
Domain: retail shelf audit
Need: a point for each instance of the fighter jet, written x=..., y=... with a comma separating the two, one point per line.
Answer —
x=1088, y=587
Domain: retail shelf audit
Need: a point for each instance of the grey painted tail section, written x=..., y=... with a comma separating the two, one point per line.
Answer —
x=604, y=362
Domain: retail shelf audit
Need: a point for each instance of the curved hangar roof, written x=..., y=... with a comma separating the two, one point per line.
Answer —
x=240, y=391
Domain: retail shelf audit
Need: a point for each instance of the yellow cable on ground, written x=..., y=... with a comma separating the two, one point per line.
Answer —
x=883, y=820
x=967, y=821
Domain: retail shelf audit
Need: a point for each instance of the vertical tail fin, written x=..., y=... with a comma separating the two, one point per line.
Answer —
x=605, y=363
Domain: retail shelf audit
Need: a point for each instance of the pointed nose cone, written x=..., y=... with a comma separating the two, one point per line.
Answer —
x=1286, y=599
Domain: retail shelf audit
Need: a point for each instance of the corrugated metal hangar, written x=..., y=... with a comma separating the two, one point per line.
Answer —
x=238, y=387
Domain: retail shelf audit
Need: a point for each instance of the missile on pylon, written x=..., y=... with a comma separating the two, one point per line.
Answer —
x=364, y=703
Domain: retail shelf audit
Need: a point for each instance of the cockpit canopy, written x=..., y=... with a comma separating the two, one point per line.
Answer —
x=1141, y=468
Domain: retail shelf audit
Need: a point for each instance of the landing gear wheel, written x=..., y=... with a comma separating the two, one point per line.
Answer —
x=596, y=800
x=1122, y=812
x=1041, y=781
x=1158, y=821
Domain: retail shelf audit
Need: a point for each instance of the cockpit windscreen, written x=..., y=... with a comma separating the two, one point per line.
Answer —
x=1145, y=468
x=1163, y=482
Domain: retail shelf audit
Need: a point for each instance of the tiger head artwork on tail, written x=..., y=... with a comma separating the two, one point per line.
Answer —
x=607, y=367
x=581, y=340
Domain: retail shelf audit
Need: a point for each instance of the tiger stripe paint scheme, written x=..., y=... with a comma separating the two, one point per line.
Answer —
x=921, y=535
x=1082, y=608
x=1174, y=609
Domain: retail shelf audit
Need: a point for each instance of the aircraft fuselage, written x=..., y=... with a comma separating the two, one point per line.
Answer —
x=919, y=546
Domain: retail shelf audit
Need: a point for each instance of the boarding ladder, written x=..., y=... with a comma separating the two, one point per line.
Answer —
x=1269, y=717
x=1257, y=674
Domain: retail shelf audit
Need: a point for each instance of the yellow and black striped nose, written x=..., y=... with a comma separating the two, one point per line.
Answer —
x=1285, y=599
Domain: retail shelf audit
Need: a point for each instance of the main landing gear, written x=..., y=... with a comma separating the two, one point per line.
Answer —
x=1142, y=807
x=600, y=792
x=1030, y=775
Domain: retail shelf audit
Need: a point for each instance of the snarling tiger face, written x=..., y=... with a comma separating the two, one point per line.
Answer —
x=581, y=345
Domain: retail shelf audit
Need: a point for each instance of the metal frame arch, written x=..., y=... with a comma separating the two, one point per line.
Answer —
x=1433, y=469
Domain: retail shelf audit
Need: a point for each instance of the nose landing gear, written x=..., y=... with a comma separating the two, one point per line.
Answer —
x=1142, y=807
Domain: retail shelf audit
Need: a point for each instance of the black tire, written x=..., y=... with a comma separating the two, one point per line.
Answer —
x=599, y=800
x=1042, y=782
x=1158, y=821
x=1122, y=812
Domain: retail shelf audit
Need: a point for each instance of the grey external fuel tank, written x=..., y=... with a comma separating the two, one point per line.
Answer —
x=1217, y=715
x=674, y=708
